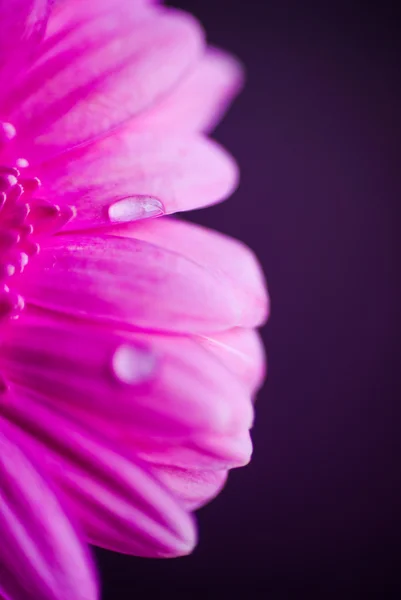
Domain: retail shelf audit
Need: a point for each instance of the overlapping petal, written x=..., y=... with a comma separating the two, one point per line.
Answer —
x=41, y=555
x=77, y=90
x=119, y=504
x=218, y=253
x=204, y=452
x=161, y=385
x=132, y=283
x=180, y=172
x=241, y=351
x=199, y=100
x=194, y=488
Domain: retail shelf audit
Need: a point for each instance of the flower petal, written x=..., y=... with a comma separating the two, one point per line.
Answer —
x=218, y=253
x=194, y=488
x=204, y=452
x=23, y=24
x=132, y=283
x=78, y=91
x=182, y=173
x=161, y=385
x=118, y=503
x=199, y=100
x=241, y=351
x=40, y=554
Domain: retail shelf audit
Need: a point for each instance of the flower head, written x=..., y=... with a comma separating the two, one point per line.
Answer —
x=128, y=355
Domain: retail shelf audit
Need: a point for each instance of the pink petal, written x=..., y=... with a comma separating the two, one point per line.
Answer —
x=194, y=488
x=198, y=452
x=78, y=91
x=180, y=173
x=199, y=101
x=40, y=554
x=204, y=452
x=64, y=11
x=23, y=24
x=133, y=283
x=223, y=255
x=161, y=385
x=118, y=503
x=241, y=351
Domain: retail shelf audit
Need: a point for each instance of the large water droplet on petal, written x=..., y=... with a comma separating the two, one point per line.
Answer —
x=132, y=365
x=134, y=208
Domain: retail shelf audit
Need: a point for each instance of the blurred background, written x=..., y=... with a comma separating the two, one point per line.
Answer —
x=317, y=136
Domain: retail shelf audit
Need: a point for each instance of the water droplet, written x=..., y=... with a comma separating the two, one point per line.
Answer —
x=22, y=163
x=20, y=261
x=6, y=270
x=7, y=181
x=133, y=365
x=134, y=208
x=7, y=131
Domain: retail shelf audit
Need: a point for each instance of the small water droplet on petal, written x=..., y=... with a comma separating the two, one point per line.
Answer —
x=7, y=131
x=21, y=261
x=6, y=270
x=22, y=163
x=133, y=365
x=7, y=181
x=134, y=208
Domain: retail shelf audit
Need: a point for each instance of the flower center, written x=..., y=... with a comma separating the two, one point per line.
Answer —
x=24, y=220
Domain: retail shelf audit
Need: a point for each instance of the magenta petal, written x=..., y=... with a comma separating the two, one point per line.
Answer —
x=118, y=503
x=23, y=24
x=133, y=283
x=78, y=88
x=181, y=173
x=205, y=452
x=40, y=554
x=241, y=351
x=219, y=254
x=155, y=384
x=194, y=488
x=199, y=101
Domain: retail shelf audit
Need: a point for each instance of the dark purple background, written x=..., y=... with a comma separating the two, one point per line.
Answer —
x=317, y=135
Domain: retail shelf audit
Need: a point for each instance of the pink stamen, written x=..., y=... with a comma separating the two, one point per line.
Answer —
x=23, y=220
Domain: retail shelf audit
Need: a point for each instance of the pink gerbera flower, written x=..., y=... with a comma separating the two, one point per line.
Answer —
x=128, y=356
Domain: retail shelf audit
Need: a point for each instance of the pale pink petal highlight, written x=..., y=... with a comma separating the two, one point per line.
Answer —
x=199, y=100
